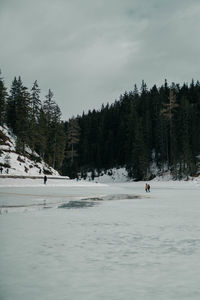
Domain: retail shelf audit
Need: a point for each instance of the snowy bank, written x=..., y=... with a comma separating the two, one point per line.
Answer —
x=13, y=163
x=51, y=181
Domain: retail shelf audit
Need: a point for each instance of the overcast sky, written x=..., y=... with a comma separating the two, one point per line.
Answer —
x=90, y=51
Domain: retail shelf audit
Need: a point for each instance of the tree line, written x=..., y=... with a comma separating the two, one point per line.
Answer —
x=148, y=131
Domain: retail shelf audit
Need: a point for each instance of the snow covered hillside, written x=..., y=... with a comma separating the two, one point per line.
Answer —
x=13, y=163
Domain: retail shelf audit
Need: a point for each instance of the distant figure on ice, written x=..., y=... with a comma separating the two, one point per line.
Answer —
x=45, y=179
x=147, y=187
x=1, y=170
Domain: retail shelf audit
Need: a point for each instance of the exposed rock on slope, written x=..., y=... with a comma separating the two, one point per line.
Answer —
x=13, y=163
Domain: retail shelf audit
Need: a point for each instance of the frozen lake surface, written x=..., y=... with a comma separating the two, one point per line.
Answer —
x=92, y=242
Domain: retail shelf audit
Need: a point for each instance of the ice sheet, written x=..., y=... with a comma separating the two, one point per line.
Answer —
x=144, y=248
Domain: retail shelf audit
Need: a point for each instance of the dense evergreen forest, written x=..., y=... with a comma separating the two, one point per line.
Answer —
x=146, y=131
x=149, y=131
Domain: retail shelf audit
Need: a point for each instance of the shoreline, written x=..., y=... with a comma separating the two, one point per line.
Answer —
x=33, y=176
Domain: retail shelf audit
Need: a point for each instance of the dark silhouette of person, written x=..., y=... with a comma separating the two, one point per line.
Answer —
x=45, y=179
x=1, y=169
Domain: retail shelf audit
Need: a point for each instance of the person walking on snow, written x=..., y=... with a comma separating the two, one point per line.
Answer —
x=147, y=187
x=45, y=179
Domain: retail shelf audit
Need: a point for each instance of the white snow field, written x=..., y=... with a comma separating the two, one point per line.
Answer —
x=73, y=240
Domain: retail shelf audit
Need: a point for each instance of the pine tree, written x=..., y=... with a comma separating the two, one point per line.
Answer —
x=11, y=113
x=18, y=111
x=49, y=106
x=42, y=134
x=188, y=161
x=168, y=112
x=55, y=144
x=35, y=106
x=73, y=133
x=35, y=102
x=57, y=135
x=59, y=146
x=3, y=95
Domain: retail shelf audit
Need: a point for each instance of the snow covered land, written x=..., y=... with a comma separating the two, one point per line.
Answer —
x=90, y=241
x=95, y=239
x=13, y=163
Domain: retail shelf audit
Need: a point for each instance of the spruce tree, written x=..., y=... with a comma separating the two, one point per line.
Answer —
x=18, y=111
x=11, y=112
x=3, y=95
x=55, y=132
x=35, y=105
x=168, y=112
x=73, y=133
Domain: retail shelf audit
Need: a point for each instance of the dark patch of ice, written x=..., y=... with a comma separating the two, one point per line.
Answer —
x=121, y=197
x=46, y=207
x=77, y=204
x=93, y=199
x=114, y=197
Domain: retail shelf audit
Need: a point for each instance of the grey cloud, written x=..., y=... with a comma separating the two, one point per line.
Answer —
x=88, y=52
